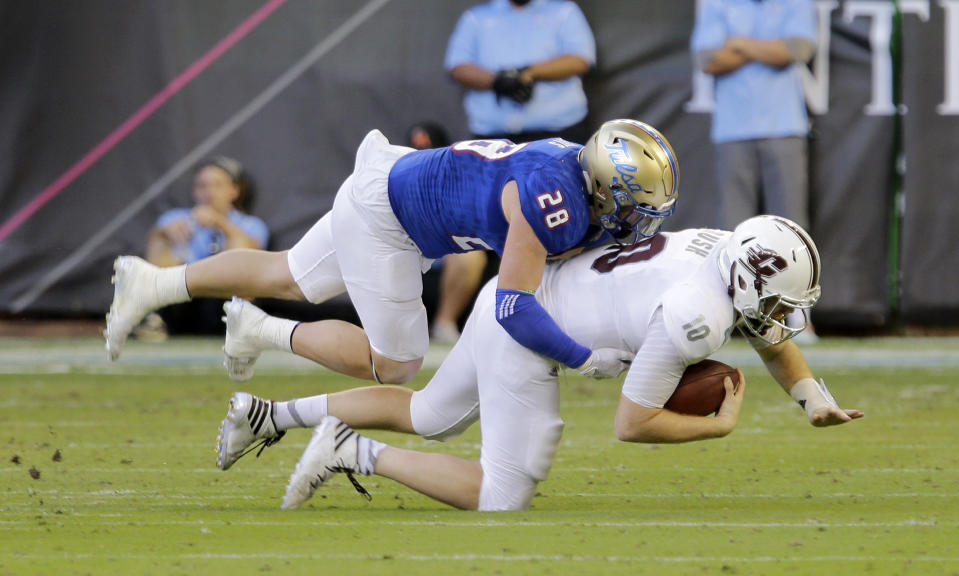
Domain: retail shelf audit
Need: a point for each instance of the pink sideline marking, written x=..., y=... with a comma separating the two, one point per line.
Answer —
x=121, y=132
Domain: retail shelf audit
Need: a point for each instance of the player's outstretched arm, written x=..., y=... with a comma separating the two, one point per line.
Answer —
x=788, y=366
x=635, y=423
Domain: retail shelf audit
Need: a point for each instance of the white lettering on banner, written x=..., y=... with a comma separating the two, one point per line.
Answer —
x=816, y=83
x=881, y=14
x=880, y=34
x=702, y=100
x=951, y=104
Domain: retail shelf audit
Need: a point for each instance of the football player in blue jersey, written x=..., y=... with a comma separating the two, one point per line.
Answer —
x=400, y=209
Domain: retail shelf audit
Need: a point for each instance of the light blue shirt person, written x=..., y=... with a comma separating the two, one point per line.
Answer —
x=207, y=241
x=214, y=223
x=757, y=100
x=498, y=35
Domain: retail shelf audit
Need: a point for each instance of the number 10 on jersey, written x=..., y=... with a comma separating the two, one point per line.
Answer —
x=548, y=202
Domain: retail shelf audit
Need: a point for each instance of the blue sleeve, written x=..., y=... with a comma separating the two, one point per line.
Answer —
x=252, y=226
x=171, y=216
x=529, y=324
x=576, y=35
x=462, y=45
x=802, y=21
x=709, y=33
x=256, y=229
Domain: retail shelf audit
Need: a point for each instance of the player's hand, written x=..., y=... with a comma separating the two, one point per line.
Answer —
x=508, y=83
x=178, y=231
x=728, y=414
x=739, y=44
x=833, y=416
x=207, y=217
x=606, y=363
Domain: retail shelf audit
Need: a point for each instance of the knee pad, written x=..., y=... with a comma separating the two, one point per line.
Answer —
x=505, y=488
x=511, y=485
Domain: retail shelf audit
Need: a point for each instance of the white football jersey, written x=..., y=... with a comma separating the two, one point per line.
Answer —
x=662, y=299
x=610, y=297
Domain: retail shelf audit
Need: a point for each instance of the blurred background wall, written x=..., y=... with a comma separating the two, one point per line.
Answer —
x=105, y=106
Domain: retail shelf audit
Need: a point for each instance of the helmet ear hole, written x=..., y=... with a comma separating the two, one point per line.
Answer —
x=742, y=283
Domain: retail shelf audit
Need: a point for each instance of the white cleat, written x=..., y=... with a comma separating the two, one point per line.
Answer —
x=243, y=341
x=332, y=449
x=249, y=419
x=134, y=296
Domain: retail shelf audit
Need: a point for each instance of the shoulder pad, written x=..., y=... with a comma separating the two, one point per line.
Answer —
x=697, y=322
x=554, y=204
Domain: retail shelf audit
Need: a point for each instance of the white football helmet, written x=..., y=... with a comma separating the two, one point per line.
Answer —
x=772, y=267
x=632, y=176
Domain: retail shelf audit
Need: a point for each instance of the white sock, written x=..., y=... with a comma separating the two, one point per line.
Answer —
x=171, y=285
x=300, y=412
x=278, y=332
x=367, y=451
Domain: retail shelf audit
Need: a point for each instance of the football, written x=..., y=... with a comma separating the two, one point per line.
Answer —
x=700, y=391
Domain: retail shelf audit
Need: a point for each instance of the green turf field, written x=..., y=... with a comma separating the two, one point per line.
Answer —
x=110, y=469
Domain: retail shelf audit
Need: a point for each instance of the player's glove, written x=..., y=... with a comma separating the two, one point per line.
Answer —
x=508, y=84
x=606, y=363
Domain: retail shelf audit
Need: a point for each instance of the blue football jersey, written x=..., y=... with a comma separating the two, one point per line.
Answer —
x=449, y=199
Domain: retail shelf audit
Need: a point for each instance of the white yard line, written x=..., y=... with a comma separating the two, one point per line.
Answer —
x=23, y=356
x=299, y=522
x=565, y=558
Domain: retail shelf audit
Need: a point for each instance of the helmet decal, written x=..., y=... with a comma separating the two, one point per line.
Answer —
x=763, y=263
x=670, y=155
x=620, y=159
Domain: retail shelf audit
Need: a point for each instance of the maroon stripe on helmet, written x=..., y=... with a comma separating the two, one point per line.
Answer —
x=810, y=248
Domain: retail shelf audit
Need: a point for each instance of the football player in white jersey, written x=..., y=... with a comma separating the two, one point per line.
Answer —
x=669, y=301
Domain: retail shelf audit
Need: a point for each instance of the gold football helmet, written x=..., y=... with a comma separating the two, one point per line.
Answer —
x=632, y=176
